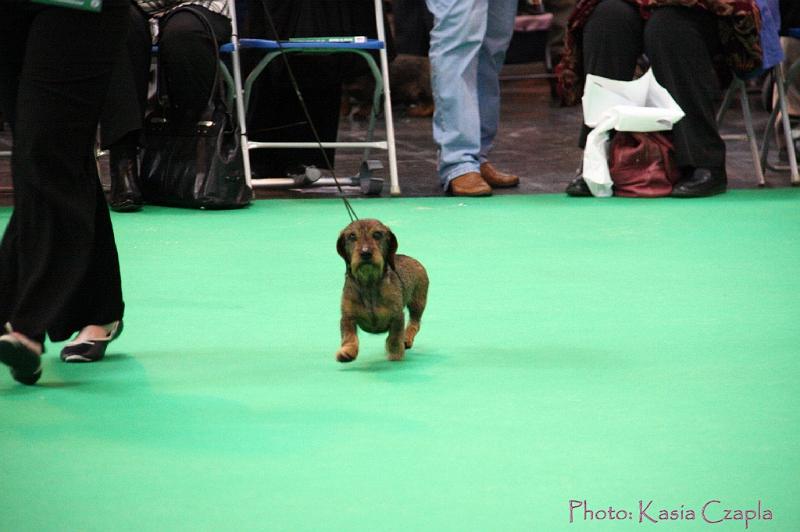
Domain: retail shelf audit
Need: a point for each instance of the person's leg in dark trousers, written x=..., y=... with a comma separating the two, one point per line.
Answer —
x=189, y=61
x=14, y=26
x=58, y=250
x=680, y=43
x=123, y=113
x=612, y=45
x=413, y=24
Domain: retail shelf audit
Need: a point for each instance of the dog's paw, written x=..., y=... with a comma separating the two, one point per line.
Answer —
x=395, y=348
x=396, y=357
x=409, y=340
x=344, y=356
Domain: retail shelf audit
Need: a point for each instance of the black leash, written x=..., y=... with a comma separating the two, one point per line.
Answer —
x=350, y=211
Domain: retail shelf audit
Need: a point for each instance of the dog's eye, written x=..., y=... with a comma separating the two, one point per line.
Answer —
x=377, y=235
x=351, y=237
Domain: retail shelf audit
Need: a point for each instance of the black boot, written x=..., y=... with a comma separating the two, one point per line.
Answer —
x=125, y=195
x=701, y=182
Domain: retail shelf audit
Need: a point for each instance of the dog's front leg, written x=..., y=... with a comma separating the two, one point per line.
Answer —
x=349, y=350
x=395, y=343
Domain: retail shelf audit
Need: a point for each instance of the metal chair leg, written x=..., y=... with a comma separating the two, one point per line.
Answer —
x=239, y=96
x=737, y=85
x=394, y=182
x=787, y=128
x=751, y=136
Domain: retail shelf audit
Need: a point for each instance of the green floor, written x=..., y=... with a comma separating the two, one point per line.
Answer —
x=613, y=351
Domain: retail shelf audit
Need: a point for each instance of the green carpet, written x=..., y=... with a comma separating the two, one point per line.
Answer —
x=612, y=351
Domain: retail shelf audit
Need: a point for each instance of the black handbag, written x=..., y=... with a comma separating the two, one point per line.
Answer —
x=196, y=164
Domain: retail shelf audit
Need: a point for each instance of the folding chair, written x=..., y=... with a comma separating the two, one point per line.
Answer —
x=739, y=86
x=531, y=44
x=273, y=49
x=782, y=83
x=774, y=66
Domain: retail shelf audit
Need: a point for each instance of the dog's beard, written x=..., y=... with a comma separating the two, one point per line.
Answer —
x=367, y=272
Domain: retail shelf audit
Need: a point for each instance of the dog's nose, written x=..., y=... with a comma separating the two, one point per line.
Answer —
x=366, y=254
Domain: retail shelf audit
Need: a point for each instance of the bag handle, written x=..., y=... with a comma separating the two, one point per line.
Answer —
x=215, y=87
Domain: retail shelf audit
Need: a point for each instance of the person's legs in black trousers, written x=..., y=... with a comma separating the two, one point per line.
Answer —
x=187, y=55
x=612, y=44
x=123, y=113
x=680, y=43
x=58, y=260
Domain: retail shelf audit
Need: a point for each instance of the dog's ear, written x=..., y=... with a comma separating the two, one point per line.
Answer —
x=341, y=249
x=391, y=248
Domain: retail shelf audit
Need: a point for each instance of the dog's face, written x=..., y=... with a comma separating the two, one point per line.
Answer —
x=367, y=247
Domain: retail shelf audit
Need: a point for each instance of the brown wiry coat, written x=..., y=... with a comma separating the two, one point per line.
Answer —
x=378, y=286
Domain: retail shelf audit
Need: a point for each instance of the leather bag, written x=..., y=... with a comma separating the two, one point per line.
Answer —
x=194, y=164
x=642, y=164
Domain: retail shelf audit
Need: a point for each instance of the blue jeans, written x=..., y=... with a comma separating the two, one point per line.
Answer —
x=468, y=46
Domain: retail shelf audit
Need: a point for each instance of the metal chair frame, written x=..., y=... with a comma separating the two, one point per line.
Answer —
x=782, y=82
x=760, y=155
x=242, y=89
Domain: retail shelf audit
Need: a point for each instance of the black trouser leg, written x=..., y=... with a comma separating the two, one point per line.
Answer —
x=8, y=271
x=122, y=120
x=57, y=245
x=123, y=112
x=413, y=24
x=96, y=301
x=188, y=57
x=612, y=43
x=679, y=42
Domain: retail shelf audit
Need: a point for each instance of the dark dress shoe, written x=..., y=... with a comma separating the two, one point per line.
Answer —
x=700, y=183
x=470, y=184
x=578, y=188
x=25, y=363
x=496, y=178
x=91, y=350
x=124, y=170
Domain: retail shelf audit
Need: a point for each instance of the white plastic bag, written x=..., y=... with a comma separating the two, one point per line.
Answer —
x=640, y=105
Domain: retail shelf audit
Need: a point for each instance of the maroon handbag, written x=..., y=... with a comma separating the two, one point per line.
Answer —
x=642, y=164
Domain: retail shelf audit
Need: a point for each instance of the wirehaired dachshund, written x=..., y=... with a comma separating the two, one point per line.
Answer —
x=378, y=285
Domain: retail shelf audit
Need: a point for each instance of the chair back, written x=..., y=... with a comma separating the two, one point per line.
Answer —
x=770, y=33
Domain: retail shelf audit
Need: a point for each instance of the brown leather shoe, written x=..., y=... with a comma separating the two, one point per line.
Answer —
x=470, y=184
x=496, y=178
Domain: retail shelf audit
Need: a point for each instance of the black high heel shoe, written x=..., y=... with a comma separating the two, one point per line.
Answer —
x=23, y=361
x=91, y=350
